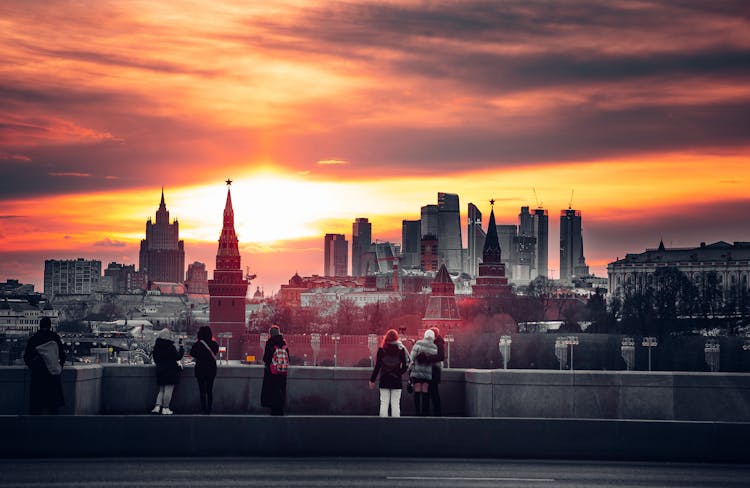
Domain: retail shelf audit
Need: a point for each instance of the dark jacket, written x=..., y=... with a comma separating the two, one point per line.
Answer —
x=273, y=392
x=45, y=389
x=437, y=365
x=165, y=356
x=205, y=364
x=391, y=363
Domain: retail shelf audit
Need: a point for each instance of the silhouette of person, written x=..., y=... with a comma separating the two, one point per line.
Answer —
x=391, y=363
x=273, y=392
x=166, y=357
x=45, y=357
x=204, y=352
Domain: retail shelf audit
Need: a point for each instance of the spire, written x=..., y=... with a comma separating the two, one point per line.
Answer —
x=661, y=245
x=162, y=215
x=229, y=211
x=491, y=252
x=162, y=204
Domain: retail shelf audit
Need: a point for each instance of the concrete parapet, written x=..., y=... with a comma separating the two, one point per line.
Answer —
x=189, y=435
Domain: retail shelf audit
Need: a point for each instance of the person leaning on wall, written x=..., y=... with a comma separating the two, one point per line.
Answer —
x=204, y=351
x=391, y=363
x=45, y=357
x=168, y=369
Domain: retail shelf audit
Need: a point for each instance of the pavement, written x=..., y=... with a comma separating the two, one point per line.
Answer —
x=362, y=472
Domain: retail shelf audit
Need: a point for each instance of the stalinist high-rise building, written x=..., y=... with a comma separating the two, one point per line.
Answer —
x=228, y=289
x=162, y=255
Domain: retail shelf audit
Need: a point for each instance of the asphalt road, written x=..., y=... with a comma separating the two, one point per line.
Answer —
x=365, y=472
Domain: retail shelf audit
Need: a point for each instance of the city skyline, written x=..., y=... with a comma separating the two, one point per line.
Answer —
x=638, y=107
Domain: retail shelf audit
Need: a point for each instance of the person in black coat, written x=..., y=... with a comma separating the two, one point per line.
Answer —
x=166, y=357
x=391, y=363
x=273, y=392
x=46, y=387
x=204, y=352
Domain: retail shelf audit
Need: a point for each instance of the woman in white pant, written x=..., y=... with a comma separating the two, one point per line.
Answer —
x=165, y=356
x=392, y=362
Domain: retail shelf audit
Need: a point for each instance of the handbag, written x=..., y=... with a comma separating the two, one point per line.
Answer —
x=409, y=387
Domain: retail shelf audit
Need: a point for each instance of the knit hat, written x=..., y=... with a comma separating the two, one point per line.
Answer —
x=274, y=330
x=165, y=334
x=429, y=335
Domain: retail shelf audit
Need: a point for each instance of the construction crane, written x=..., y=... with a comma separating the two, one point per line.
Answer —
x=570, y=204
x=538, y=203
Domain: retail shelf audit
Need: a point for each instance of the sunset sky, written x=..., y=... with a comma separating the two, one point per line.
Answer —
x=322, y=112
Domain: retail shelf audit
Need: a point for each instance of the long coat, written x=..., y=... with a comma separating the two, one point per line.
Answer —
x=422, y=370
x=205, y=363
x=391, y=364
x=273, y=392
x=165, y=356
x=46, y=389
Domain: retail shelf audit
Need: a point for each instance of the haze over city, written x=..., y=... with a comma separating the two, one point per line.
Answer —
x=324, y=113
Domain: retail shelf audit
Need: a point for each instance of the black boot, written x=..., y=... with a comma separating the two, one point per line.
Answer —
x=425, y=404
x=417, y=403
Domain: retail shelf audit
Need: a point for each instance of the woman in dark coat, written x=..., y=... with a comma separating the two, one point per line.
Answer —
x=273, y=392
x=46, y=388
x=204, y=352
x=392, y=362
x=168, y=371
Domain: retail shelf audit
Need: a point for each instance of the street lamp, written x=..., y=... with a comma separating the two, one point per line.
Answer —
x=315, y=344
x=336, y=338
x=627, y=350
x=504, y=346
x=561, y=352
x=226, y=336
x=449, y=339
x=649, y=342
x=712, y=351
x=372, y=345
x=571, y=341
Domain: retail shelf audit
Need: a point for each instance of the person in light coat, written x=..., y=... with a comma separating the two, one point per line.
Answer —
x=421, y=371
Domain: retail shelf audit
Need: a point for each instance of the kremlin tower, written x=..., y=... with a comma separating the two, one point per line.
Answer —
x=228, y=289
x=442, y=309
x=491, y=281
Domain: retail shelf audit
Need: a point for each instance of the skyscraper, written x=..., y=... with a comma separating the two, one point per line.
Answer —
x=572, y=261
x=336, y=255
x=476, y=237
x=491, y=281
x=228, y=289
x=411, y=235
x=428, y=253
x=449, y=231
x=361, y=242
x=541, y=232
x=429, y=220
x=162, y=255
x=508, y=237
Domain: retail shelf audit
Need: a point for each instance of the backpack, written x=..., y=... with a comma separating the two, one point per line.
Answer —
x=51, y=356
x=280, y=361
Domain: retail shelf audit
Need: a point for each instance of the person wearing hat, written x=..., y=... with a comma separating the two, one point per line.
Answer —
x=273, y=392
x=45, y=357
x=166, y=357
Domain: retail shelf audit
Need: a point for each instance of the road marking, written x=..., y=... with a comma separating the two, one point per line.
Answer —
x=463, y=478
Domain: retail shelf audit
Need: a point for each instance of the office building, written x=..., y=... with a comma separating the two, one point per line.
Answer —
x=361, y=243
x=429, y=253
x=71, y=276
x=336, y=255
x=572, y=262
x=541, y=233
x=162, y=254
x=125, y=279
x=476, y=237
x=429, y=220
x=411, y=236
x=449, y=232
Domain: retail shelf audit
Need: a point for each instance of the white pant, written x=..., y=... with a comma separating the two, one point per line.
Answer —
x=392, y=397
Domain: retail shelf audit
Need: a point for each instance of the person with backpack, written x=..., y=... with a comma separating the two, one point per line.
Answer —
x=421, y=371
x=166, y=357
x=391, y=363
x=204, y=352
x=276, y=360
x=45, y=357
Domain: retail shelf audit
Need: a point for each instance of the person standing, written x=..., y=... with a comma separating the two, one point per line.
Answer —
x=168, y=369
x=391, y=363
x=421, y=371
x=45, y=357
x=273, y=391
x=204, y=352
x=437, y=370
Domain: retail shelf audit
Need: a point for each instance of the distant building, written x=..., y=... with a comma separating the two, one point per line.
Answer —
x=572, y=262
x=197, y=279
x=476, y=237
x=449, y=231
x=290, y=294
x=429, y=220
x=729, y=262
x=15, y=288
x=336, y=255
x=491, y=281
x=20, y=318
x=361, y=242
x=228, y=289
x=162, y=254
x=442, y=309
x=411, y=235
x=507, y=235
x=71, y=276
x=429, y=256
x=124, y=278
x=541, y=233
